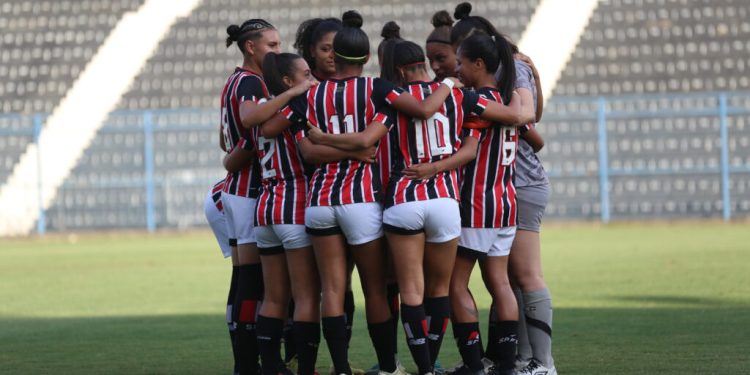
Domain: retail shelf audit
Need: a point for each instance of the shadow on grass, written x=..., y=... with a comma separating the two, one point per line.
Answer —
x=587, y=341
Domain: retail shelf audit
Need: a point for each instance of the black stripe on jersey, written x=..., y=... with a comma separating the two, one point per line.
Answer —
x=288, y=208
x=493, y=164
x=286, y=167
x=467, y=195
x=231, y=91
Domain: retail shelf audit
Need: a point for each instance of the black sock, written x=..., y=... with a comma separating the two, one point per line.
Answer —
x=245, y=309
x=469, y=346
x=269, y=333
x=393, y=301
x=231, y=321
x=382, y=339
x=290, y=344
x=492, y=335
x=415, y=326
x=307, y=337
x=507, y=342
x=334, y=331
x=349, y=312
x=437, y=310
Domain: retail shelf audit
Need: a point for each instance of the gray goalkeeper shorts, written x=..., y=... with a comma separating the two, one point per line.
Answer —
x=532, y=200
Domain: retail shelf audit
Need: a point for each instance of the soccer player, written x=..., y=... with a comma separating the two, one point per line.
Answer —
x=421, y=195
x=439, y=50
x=314, y=42
x=343, y=201
x=244, y=87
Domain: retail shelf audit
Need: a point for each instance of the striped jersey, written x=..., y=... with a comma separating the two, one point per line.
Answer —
x=216, y=195
x=417, y=141
x=384, y=161
x=488, y=196
x=241, y=85
x=283, y=187
x=344, y=106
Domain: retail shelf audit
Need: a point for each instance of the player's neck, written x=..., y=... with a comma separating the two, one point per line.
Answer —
x=249, y=64
x=486, y=81
x=346, y=71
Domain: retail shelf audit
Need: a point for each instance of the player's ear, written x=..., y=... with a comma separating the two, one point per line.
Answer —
x=479, y=64
x=287, y=81
x=250, y=47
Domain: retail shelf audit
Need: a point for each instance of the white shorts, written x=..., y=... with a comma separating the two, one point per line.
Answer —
x=439, y=219
x=359, y=222
x=273, y=239
x=240, y=215
x=218, y=224
x=480, y=242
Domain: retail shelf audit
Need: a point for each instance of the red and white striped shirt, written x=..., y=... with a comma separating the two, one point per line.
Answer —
x=423, y=141
x=216, y=195
x=344, y=106
x=284, y=186
x=488, y=196
x=241, y=85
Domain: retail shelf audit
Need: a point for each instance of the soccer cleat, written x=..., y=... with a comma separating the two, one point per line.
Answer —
x=537, y=368
x=487, y=363
x=521, y=363
x=354, y=370
x=465, y=370
x=399, y=371
x=453, y=369
x=437, y=368
x=494, y=370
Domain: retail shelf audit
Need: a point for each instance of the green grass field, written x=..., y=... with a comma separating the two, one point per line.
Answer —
x=629, y=298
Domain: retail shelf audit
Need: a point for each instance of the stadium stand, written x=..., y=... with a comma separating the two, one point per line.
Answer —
x=187, y=71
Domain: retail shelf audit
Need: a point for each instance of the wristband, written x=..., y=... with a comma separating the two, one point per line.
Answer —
x=448, y=82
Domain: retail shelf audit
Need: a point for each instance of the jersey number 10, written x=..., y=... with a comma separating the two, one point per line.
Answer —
x=437, y=135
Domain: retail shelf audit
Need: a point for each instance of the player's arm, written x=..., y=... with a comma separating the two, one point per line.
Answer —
x=222, y=141
x=528, y=106
x=240, y=157
x=465, y=154
x=275, y=126
x=349, y=141
x=424, y=109
x=253, y=114
x=321, y=154
x=509, y=115
x=533, y=138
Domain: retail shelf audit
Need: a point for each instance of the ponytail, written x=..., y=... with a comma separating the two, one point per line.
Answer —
x=497, y=54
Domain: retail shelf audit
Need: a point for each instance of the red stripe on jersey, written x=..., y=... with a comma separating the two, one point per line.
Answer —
x=216, y=195
x=488, y=196
x=425, y=141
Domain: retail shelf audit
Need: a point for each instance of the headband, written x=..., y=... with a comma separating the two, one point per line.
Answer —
x=350, y=58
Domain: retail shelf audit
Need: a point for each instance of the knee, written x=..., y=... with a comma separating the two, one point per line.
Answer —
x=530, y=281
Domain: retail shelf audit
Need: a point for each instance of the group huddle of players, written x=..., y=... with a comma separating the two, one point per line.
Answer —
x=411, y=178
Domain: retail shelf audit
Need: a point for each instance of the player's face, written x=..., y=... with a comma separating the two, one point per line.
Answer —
x=466, y=70
x=268, y=42
x=442, y=60
x=322, y=53
x=301, y=73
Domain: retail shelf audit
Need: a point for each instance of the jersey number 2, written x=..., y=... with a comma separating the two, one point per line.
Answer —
x=268, y=145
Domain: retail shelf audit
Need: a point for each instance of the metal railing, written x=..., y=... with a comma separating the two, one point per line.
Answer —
x=162, y=175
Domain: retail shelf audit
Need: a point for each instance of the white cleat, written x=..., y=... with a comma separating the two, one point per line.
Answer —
x=537, y=368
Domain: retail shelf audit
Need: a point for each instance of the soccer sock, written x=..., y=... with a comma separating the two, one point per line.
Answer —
x=307, y=337
x=382, y=339
x=249, y=296
x=290, y=344
x=524, y=346
x=507, y=342
x=469, y=346
x=492, y=334
x=269, y=333
x=393, y=301
x=334, y=331
x=349, y=312
x=231, y=321
x=437, y=310
x=538, y=312
x=415, y=326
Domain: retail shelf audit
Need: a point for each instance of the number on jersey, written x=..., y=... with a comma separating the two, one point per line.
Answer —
x=268, y=147
x=438, y=135
x=509, y=145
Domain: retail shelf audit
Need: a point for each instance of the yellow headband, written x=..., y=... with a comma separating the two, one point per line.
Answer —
x=349, y=57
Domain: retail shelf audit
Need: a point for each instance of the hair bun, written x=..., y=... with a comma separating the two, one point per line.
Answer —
x=233, y=31
x=442, y=18
x=352, y=18
x=462, y=11
x=391, y=30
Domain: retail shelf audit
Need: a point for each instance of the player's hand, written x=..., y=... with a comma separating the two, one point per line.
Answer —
x=366, y=155
x=457, y=84
x=301, y=88
x=315, y=134
x=421, y=171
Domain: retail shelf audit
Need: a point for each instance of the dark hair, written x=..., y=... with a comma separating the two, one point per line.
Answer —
x=443, y=24
x=496, y=52
x=351, y=44
x=251, y=29
x=399, y=54
x=310, y=32
x=276, y=66
x=391, y=30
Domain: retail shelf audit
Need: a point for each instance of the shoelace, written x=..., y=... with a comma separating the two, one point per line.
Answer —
x=533, y=365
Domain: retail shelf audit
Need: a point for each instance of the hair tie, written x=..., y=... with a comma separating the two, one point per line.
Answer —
x=349, y=57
